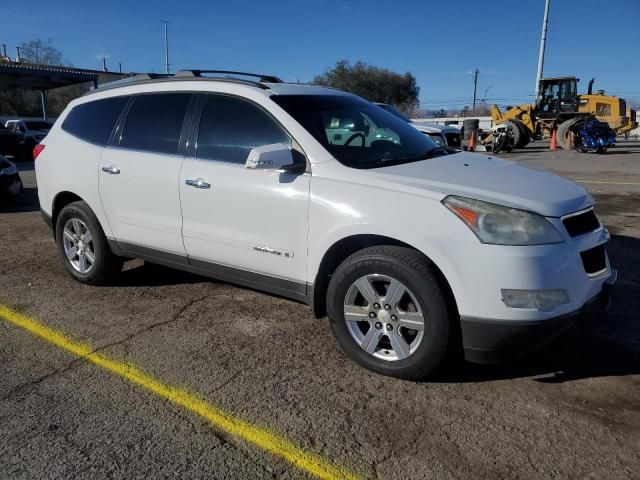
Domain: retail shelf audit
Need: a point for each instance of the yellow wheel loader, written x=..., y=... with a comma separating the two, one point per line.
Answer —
x=559, y=107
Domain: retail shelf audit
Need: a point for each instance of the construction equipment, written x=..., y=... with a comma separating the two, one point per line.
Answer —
x=559, y=107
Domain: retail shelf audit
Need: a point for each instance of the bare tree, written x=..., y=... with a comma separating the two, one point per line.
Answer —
x=26, y=103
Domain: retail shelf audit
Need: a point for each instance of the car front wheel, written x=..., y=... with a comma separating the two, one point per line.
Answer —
x=388, y=312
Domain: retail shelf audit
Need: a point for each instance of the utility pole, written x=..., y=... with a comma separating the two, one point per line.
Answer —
x=104, y=64
x=166, y=47
x=543, y=44
x=475, y=87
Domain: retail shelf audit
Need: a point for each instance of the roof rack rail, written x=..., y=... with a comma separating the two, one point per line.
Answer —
x=133, y=78
x=261, y=78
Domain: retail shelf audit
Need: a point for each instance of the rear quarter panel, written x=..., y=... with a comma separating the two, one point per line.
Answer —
x=68, y=164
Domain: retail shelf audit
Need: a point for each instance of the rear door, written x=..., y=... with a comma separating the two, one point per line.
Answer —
x=253, y=221
x=139, y=175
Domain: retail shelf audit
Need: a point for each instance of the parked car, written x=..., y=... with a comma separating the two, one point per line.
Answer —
x=444, y=135
x=10, y=182
x=409, y=248
x=11, y=143
x=32, y=131
x=35, y=129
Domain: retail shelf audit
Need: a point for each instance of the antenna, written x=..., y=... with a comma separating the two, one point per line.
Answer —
x=166, y=47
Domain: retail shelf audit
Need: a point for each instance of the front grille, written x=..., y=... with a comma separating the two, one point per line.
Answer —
x=582, y=223
x=453, y=139
x=594, y=260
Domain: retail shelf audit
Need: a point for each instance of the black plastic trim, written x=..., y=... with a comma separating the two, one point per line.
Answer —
x=47, y=218
x=496, y=341
x=278, y=286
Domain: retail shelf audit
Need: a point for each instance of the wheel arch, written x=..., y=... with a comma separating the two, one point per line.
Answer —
x=349, y=245
x=61, y=200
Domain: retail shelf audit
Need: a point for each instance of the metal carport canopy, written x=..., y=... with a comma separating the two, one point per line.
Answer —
x=43, y=77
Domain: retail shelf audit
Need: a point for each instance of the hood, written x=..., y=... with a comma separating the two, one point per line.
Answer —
x=492, y=180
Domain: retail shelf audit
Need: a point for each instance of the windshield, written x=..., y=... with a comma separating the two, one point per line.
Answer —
x=436, y=138
x=37, y=125
x=393, y=110
x=357, y=133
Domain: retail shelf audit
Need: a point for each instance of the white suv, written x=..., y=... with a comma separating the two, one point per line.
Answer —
x=310, y=193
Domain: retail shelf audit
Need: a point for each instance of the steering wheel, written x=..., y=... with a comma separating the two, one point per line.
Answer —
x=354, y=136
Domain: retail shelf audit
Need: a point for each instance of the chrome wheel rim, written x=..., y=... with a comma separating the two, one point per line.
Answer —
x=384, y=317
x=78, y=245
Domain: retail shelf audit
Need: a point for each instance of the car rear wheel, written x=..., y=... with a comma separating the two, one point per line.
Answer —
x=388, y=313
x=83, y=246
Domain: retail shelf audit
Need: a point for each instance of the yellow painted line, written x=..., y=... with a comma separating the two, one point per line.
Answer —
x=607, y=183
x=223, y=421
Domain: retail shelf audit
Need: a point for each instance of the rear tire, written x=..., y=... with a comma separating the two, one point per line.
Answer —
x=83, y=246
x=410, y=331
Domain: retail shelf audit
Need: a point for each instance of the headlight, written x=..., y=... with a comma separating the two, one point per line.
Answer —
x=10, y=170
x=500, y=225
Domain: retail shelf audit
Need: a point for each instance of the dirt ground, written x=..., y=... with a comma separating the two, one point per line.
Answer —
x=572, y=410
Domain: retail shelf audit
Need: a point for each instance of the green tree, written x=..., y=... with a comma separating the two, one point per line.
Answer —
x=26, y=103
x=373, y=83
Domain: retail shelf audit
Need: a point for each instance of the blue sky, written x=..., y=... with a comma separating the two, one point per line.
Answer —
x=440, y=42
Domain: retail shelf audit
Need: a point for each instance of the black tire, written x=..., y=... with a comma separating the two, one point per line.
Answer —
x=106, y=265
x=562, y=132
x=414, y=271
x=516, y=133
x=524, y=135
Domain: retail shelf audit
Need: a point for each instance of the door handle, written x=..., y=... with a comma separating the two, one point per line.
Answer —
x=111, y=169
x=198, y=183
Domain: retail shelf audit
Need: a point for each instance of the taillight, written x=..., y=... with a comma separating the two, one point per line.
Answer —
x=37, y=149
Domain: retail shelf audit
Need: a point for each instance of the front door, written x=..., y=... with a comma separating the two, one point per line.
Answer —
x=139, y=176
x=240, y=222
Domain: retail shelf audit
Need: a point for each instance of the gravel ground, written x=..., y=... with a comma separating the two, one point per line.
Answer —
x=570, y=410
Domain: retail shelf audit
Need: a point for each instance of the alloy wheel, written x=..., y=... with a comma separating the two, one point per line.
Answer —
x=78, y=245
x=384, y=317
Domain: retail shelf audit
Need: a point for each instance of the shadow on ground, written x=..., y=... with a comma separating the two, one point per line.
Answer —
x=27, y=202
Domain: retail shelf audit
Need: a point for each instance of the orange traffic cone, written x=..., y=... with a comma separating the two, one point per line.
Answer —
x=554, y=142
x=472, y=141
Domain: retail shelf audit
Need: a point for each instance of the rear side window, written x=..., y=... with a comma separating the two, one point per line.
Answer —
x=154, y=122
x=94, y=121
x=231, y=127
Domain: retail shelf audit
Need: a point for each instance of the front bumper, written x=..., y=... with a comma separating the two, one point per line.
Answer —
x=497, y=341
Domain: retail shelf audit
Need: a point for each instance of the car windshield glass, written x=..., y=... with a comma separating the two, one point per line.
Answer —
x=37, y=125
x=436, y=138
x=393, y=110
x=358, y=133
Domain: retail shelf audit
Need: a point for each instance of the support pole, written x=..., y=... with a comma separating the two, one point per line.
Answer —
x=475, y=88
x=43, y=101
x=166, y=47
x=543, y=44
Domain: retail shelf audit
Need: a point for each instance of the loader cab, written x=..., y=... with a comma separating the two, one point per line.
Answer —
x=557, y=96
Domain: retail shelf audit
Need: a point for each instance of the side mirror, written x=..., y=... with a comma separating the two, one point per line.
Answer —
x=275, y=157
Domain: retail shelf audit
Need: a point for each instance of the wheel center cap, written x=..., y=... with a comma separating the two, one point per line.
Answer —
x=384, y=316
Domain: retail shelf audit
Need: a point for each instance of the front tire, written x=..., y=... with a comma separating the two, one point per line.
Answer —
x=388, y=312
x=83, y=246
